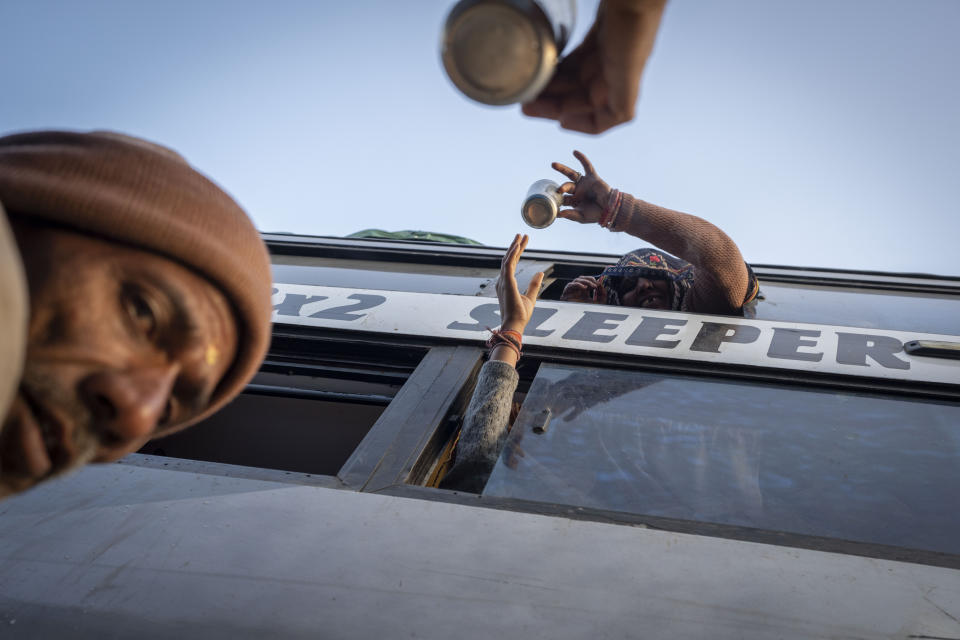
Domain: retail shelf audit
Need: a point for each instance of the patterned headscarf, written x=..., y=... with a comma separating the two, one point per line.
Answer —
x=654, y=264
x=648, y=263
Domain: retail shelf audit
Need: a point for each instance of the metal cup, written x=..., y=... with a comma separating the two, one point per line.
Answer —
x=504, y=51
x=542, y=204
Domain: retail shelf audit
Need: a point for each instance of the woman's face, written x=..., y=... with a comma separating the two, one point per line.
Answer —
x=647, y=293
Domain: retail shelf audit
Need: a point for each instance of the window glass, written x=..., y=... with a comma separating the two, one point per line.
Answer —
x=856, y=467
x=904, y=311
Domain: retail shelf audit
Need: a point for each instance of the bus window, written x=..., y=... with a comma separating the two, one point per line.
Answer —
x=842, y=465
x=289, y=434
x=306, y=424
x=901, y=310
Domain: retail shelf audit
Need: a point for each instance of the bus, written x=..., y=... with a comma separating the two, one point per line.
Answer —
x=790, y=474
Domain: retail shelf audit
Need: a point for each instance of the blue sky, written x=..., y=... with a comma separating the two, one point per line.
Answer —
x=815, y=133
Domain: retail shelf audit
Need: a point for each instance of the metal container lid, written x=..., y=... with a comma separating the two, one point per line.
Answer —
x=497, y=52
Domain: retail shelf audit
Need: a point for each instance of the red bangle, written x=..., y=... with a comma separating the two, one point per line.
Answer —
x=609, y=209
x=498, y=337
x=519, y=338
x=616, y=212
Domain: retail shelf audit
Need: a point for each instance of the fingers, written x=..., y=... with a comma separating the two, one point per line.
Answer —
x=566, y=187
x=583, y=289
x=588, y=281
x=533, y=289
x=571, y=214
x=543, y=107
x=575, y=103
x=587, y=166
x=565, y=170
x=510, y=250
x=509, y=264
x=595, y=122
x=585, y=285
x=580, y=122
x=574, y=292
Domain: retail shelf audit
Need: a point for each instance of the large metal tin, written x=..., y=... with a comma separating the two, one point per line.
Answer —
x=500, y=52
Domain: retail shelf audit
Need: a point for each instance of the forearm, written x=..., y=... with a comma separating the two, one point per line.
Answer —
x=721, y=276
x=630, y=32
x=484, y=427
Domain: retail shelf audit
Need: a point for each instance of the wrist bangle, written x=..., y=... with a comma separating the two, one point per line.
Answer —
x=622, y=219
x=616, y=213
x=508, y=338
x=510, y=333
x=609, y=211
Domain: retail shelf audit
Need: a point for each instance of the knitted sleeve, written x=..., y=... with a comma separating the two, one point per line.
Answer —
x=721, y=279
x=484, y=428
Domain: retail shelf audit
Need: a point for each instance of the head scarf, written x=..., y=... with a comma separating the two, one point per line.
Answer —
x=654, y=264
x=143, y=195
x=648, y=263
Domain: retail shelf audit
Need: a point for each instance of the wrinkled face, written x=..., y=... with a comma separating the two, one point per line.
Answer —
x=122, y=345
x=653, y=293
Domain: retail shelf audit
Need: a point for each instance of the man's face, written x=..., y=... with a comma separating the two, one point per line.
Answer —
x=654, y=293
x=123, y=345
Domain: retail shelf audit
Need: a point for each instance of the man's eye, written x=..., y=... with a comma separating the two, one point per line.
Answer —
x=140, y=311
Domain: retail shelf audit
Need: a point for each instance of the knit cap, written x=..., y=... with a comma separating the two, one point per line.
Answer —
x=141, y=194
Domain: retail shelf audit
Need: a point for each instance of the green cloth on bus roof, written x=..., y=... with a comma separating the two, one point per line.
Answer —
x=428, y=236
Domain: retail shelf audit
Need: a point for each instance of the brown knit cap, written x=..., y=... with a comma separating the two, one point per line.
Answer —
x=141, y=194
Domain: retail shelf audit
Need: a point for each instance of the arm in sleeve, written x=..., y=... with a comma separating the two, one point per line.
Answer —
x=484, y=428
x=721, y=279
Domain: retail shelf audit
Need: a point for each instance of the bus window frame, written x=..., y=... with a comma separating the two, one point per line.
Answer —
x=396, y=455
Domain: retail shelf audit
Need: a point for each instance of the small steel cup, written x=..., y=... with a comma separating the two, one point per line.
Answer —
x=542, y=204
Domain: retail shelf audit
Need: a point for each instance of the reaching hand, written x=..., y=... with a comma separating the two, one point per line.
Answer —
x=587, y=194
x=595, y=88
x=515, y=309
x=584, y=289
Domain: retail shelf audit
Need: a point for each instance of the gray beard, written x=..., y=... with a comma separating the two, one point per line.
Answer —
x=84, y=441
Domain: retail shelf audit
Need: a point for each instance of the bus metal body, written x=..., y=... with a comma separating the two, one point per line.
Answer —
x=795, y=481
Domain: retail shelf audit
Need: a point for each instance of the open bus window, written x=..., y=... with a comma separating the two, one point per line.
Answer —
x=840, y=465
x=311, y=427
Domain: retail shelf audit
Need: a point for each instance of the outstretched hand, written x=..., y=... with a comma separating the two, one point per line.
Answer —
x=516, y=308
x=586, y=194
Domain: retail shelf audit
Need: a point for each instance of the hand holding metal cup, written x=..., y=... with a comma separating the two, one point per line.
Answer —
x=585, y=194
